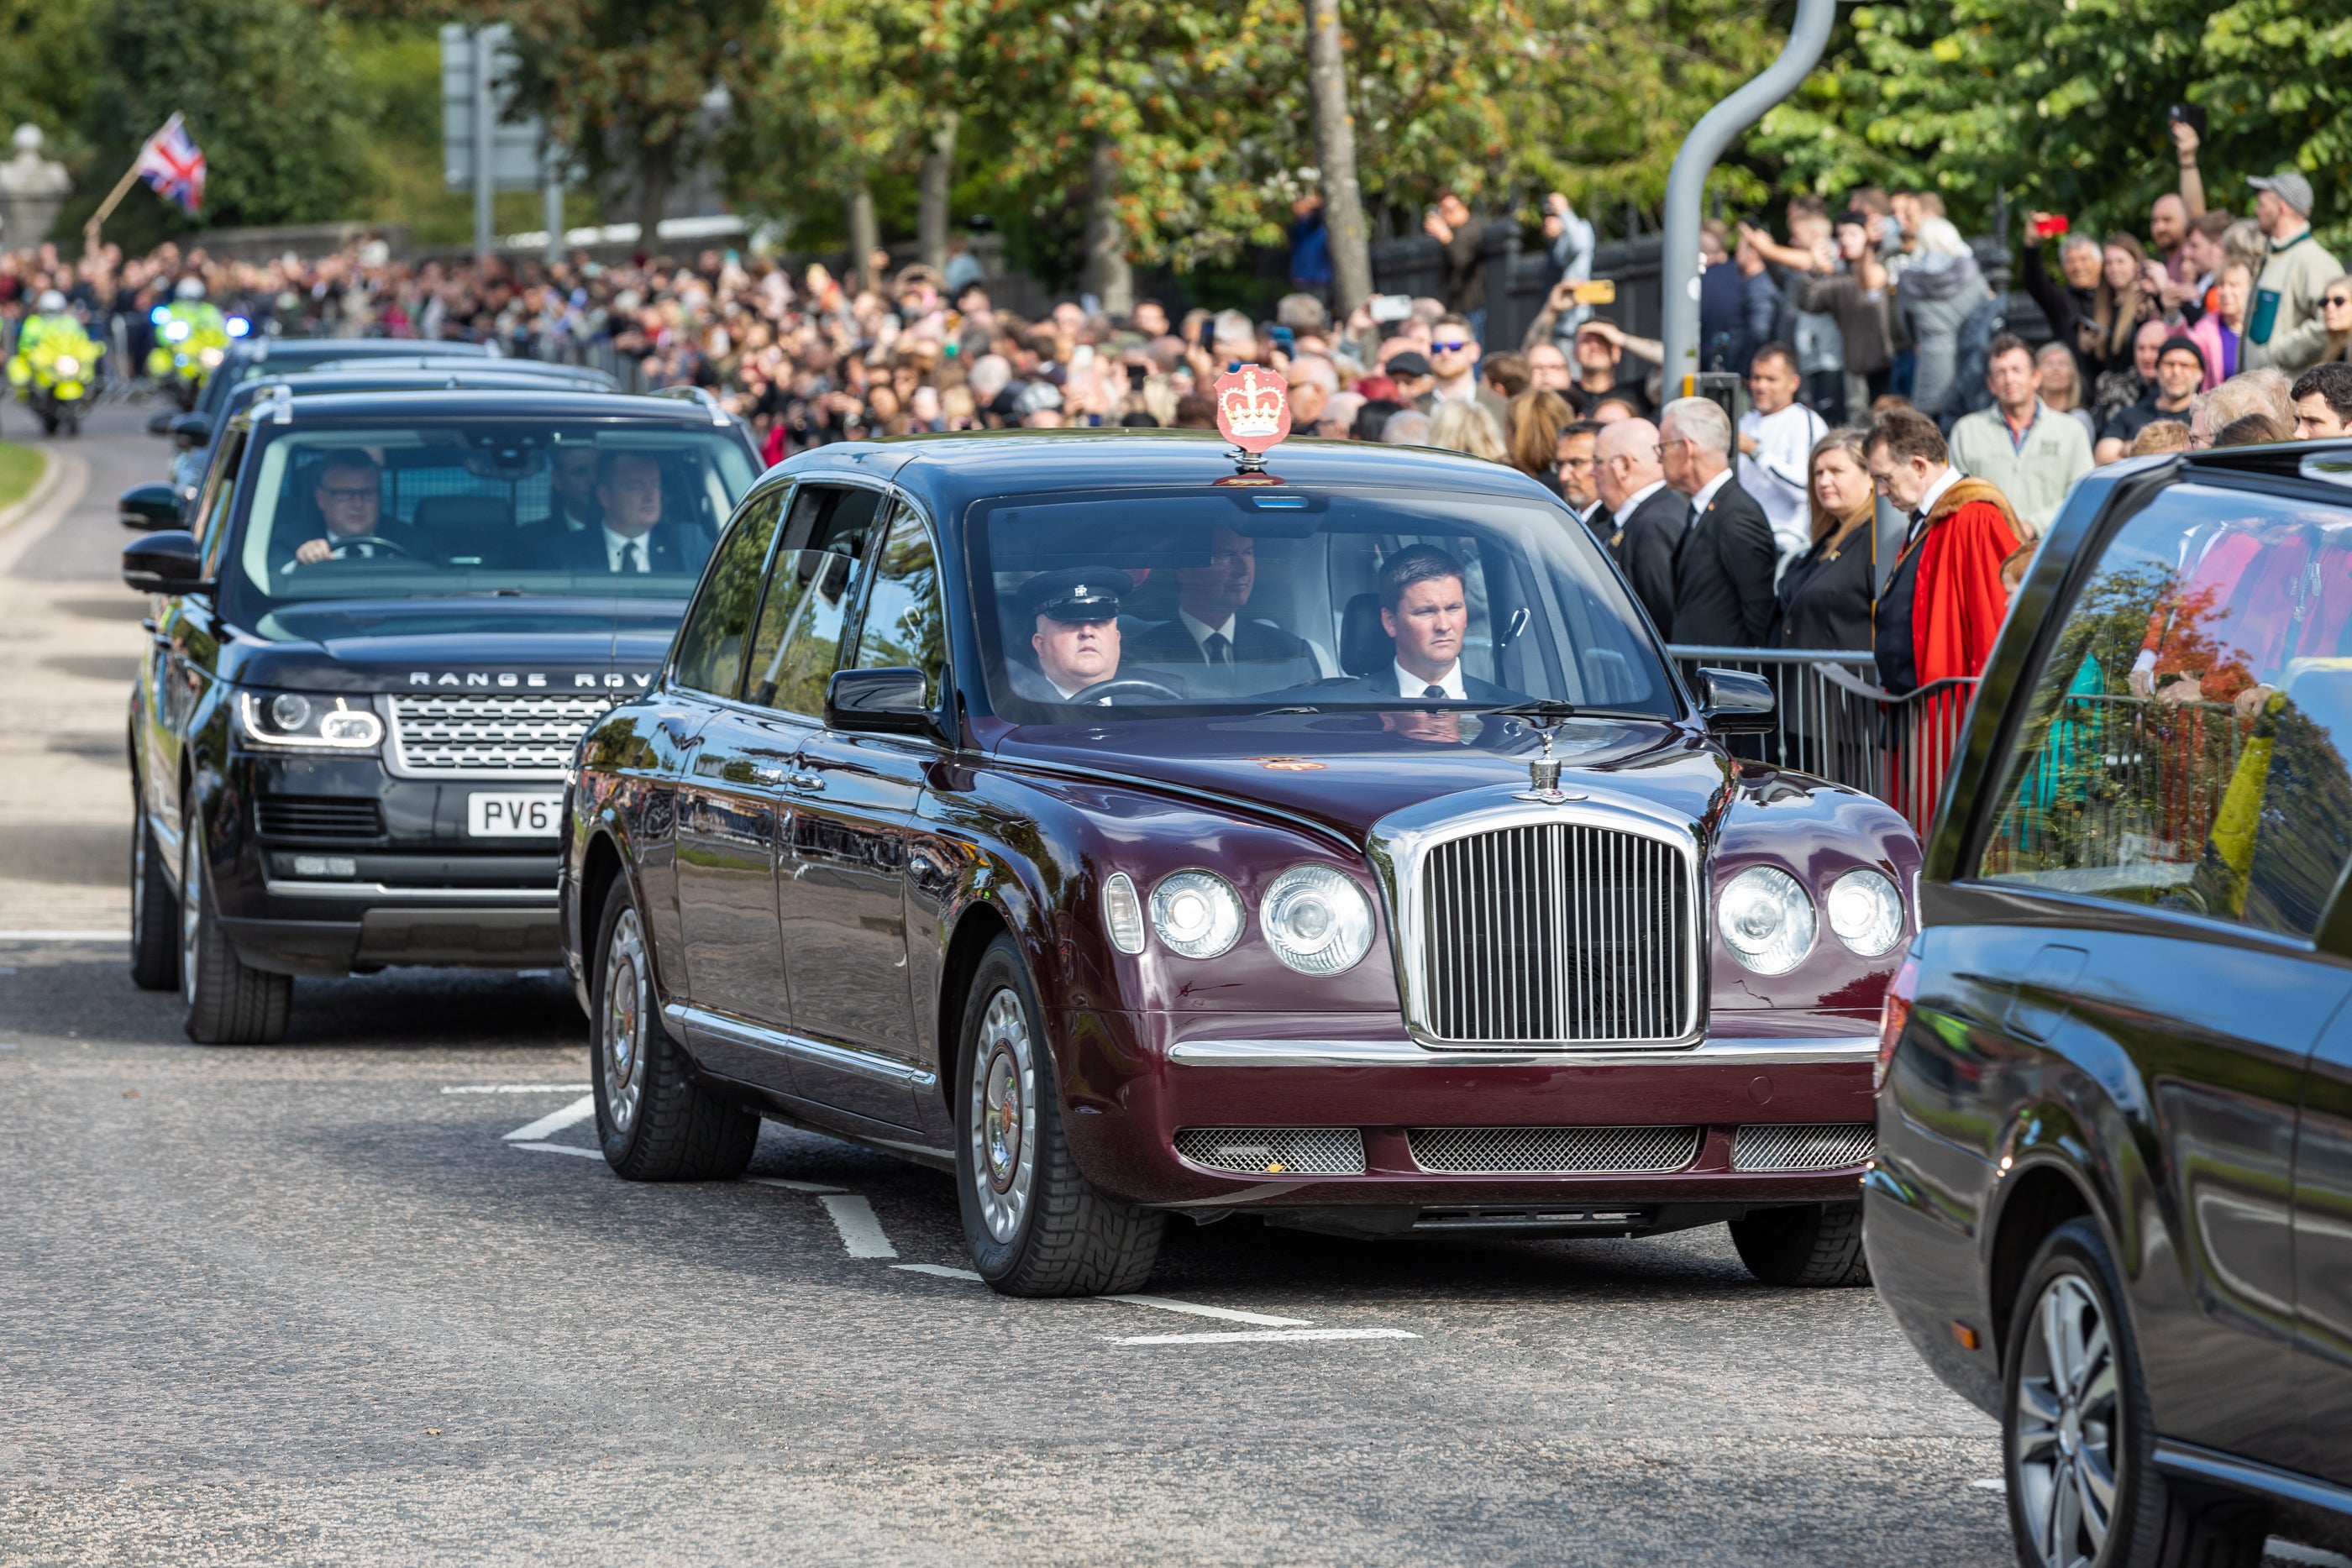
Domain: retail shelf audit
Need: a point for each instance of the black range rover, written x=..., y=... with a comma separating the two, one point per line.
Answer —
x=384, y=620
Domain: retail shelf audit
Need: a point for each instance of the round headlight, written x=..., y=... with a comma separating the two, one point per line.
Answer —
x=350, y=726
x=67, y=365
x=1866, y=911
x=1316, y=920
x=211, y=356
x=1196, y=913
x=1766, y=919
x=289, y=711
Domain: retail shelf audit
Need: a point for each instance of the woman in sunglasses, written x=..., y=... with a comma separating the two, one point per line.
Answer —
x=2335, y=315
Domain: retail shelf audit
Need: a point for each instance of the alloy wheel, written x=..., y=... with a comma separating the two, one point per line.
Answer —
x=2069, y=1425
x=1003, y=1117
x=621, y=1035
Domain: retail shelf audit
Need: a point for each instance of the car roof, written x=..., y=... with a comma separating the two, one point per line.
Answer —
x=553, y=401
x=955, y=468
x=312, y=383
x=264, y=349
x=550, y=368
x=2326, y=460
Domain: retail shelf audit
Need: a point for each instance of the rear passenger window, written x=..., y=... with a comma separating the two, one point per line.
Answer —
x=710, y=644
x=812, y=588
x=2185, y=747
x=904, y=626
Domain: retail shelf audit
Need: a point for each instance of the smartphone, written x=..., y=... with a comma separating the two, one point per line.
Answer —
x=1082, y=355
x=2050, y=227
x=1600, y=291
x=2192, y=115
x=1391, y=307
x=1136, y=376
x=1284, y=339
x=1209, y=331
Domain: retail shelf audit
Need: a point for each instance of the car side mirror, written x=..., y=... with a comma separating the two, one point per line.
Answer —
x=880, y=702
x=160, y=423
x=149, y=506
x=168, y=562
x=1734, y=702
x=191, y=430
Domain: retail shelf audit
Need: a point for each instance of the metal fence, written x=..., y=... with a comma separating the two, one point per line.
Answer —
x=1832, y=720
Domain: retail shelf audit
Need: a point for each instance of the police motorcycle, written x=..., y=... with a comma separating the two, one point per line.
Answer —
x=55, y=367
x=192, y=337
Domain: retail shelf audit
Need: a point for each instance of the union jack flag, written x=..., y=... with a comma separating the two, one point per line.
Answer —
x=173, y=165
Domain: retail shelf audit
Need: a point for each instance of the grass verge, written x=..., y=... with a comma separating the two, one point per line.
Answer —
x=20, y=470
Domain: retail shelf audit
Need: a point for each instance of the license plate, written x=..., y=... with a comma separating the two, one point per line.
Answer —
x=518, y=816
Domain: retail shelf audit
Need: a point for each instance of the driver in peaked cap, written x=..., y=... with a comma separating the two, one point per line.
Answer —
x=1077, y=636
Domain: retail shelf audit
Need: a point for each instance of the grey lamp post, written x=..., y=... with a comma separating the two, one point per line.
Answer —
x=1686, y=183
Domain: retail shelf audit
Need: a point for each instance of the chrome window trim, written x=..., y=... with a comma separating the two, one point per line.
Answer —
x=1812, y=1050
x=289, y=887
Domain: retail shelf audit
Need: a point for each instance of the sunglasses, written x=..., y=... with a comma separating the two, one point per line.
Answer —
x=1453, y=348
x=2338, y=300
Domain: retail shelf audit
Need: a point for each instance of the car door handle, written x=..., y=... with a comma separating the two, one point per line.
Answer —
x=763, y=774
x=807, y=781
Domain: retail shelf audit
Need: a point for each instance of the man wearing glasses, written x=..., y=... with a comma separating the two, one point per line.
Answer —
x=1454, y=361
x=348, y=499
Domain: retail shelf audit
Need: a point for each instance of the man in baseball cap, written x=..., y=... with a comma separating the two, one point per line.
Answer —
x=2283, y=329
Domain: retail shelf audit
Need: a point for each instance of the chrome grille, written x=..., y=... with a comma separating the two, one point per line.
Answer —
x=1817, y=1146
x=1275, y=1151
x=1558, y=933
x=489, y=736
x=1574, y=1151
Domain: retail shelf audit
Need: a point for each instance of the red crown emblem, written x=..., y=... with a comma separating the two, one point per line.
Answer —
x=1253, y=408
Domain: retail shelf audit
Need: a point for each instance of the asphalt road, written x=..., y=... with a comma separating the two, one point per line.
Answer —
x=318, y=1302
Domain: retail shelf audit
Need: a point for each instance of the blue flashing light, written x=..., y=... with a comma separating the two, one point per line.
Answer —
x=239, y=325
x=160, y=314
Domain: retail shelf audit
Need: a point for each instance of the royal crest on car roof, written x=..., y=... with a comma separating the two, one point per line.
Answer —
x=1252, y=412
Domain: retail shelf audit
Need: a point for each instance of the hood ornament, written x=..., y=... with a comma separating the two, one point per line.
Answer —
x=1543, y=772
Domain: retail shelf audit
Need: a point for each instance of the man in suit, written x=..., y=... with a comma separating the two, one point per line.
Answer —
x=348, y=499
x=632, y=539
x=573, y=503
x=1220, y=653
x=1725, y=565
x=1646, y=519
x=1426, y=614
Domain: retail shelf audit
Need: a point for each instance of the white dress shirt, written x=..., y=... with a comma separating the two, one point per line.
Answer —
x=1775, y=472
x=1411, y=685
x=1201, y=631
x=623, y=553
x=1633, y=503
x=1705, y=495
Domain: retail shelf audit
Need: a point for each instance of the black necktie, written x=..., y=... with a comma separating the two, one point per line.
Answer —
x=1438, y=692
x=1219, y=650
x=631, y=558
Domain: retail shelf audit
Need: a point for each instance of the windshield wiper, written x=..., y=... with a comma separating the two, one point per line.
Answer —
x=1554, y=707
x=1294, y=707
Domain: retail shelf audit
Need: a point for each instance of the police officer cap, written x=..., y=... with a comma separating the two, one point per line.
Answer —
x=50, y=302
x=189, y=289
x=1080, y=593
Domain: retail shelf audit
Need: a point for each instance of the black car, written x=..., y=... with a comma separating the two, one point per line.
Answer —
x=2112, y=1202
x=264, y=355
x=387, y=617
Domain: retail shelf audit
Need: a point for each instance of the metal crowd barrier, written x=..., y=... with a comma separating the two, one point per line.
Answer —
x=1836, y=722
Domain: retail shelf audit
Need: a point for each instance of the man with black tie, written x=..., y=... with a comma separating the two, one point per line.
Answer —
x=1231, y=653
x=632, y=539
x=1645, y=520
x=1725, y=565
x=1426, y=614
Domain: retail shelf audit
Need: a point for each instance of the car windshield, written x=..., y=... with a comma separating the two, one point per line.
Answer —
x=595, y=508
x=1249, y=598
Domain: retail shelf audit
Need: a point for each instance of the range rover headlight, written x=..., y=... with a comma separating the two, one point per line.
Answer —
x=1866, y=911
x=1316, y=920
x=1197, y=913
x=1766, y=919
x=293, y=719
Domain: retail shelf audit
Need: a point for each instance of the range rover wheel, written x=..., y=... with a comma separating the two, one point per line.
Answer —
x=1812, y=1244
x=229, y=1001
x=656, y=1123
x=154, y=913
x=2077, y=1438
x=1036, y=1227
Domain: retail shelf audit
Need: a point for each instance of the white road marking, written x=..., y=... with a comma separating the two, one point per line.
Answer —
x=560, y=1149
x=517, y=1089
x=1990, y=1483
x=937, y=1272
x=63, y=936
x=860, y=1231
x=579, y=1111
x=1227, y=1313
x=1257, y=1336
x=791, y=1185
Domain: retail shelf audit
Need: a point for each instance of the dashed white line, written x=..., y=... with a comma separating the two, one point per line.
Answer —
x=1263, y=1336
x=579, y=1111
x=937, y=1272
x=791, y=1185
x=516, y=1089
x=63, y=936
x=1990, y=1483
x=1198, y=1310
x=559, y=1149
x=861, y=1233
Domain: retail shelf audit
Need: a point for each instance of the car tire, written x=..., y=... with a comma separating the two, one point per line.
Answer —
x=229, y=1002
x=655, y=1121
x=1813, y=1246
x=2069, y=1431
x=155, y=912
x=1035, y=1226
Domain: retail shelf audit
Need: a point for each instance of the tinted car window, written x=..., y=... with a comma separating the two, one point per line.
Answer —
x=710, y=642
x=811, y=588
x=2185, y=745
x=905, y=626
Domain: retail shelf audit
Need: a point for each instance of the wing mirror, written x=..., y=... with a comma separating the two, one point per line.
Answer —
x=166, y=562
x=190, y=430
x=1734, y=702
x=160, y=423
x=149, y=506
x=880, y=702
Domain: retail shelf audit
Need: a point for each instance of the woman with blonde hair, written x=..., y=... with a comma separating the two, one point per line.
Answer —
x=1460, y=426
x=2336, y=316
x=2062, y=385
x=1826, y=595
x=2219, y=333
x=1531, y=430
x=2118, y=309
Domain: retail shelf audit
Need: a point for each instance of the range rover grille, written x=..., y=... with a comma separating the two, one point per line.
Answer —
x=338, y=818
x=526, y=736
x=1556, y=934
x=1821, y=1146
x=1573, y=1151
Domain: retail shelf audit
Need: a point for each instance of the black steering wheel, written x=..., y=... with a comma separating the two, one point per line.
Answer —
x=1111, y=690
x=367, y=547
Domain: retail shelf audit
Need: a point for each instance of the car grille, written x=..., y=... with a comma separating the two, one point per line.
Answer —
x=1270, y=1151
x=1571, y=1151
x=338, y=818
x=1558, y=933
x=1822, y=1146
x=487, y=737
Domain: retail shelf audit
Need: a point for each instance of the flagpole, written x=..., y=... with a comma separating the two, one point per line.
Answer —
x=114, y=199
